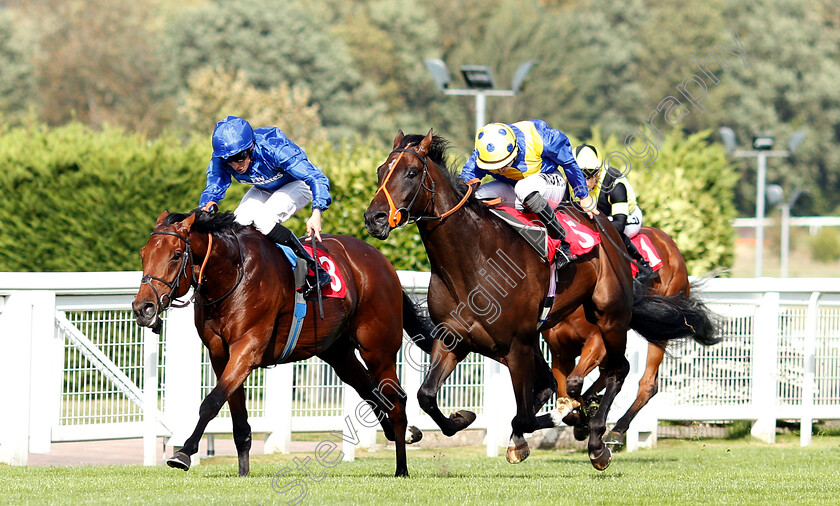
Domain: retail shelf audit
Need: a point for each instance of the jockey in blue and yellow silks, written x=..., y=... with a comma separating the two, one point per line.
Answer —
x=283, y=179
x=525, y=159
x=614, y=197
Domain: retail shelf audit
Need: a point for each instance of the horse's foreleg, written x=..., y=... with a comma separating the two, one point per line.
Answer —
x=238, y=368
x=520, y=362
x=647, y=389
x=241, y=429
x=443, y=363
x=591, y=356
x=561, y=367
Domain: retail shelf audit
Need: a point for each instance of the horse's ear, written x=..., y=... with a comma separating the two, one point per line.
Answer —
x=398, y=139
x=184, y=226
x=423, y=148
x=162, y=217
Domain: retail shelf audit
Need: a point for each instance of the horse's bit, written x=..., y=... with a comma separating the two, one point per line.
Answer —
x=394, y=213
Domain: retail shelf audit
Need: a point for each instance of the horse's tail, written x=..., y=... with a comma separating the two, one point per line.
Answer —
x=418, y=327
x=659, y=319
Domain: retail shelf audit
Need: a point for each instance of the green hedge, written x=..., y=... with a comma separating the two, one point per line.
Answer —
x=82, y=200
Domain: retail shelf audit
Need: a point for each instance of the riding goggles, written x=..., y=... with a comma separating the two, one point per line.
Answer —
x=238, y=157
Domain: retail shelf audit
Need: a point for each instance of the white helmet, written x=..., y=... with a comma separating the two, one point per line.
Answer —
x=587, y=159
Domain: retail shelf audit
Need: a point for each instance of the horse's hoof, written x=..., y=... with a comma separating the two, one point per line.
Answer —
x=573, y=419
x=581, y=432
x=616, y=440
x=518, y=453
x=401, y=473
x=179, y=460
x=601, y=461
x=414, y=435
x=458, y=421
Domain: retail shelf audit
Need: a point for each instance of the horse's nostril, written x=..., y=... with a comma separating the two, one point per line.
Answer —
x=148, y=310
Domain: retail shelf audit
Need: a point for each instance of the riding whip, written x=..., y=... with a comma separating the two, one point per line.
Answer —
x=315, y=272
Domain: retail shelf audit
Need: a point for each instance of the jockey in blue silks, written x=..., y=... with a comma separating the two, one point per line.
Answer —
x=283, y=179
x=526, y=159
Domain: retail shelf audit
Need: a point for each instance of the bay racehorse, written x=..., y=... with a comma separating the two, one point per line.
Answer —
x=575, y=336
x=245, y=306
x=487, y=285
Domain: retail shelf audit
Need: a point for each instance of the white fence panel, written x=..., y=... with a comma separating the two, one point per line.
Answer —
x=82, y=369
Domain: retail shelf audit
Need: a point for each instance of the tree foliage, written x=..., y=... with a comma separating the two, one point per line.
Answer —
x=215, y=93
x=273, y=44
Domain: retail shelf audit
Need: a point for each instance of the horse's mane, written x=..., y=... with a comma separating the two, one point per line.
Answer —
x=207, y=222
x=437, y=153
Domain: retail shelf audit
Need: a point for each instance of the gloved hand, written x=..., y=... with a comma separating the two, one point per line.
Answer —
x=210, y=207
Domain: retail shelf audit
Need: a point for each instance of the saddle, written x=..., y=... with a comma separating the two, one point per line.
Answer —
x=581, y=238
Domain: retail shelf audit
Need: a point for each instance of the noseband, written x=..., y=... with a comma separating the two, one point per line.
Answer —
x=182, y=273
x=176, y=283
x=394, y=213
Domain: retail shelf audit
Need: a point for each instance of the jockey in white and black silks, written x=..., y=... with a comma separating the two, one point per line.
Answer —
x=614, y=197
x=531, y=164
x=283, y=180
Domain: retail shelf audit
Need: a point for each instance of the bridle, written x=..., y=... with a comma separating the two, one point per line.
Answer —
x=182, y=274
x=395, y=213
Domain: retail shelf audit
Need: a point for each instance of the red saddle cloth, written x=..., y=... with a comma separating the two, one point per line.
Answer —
x=337, y=289
x=581, y=238
x=648, y=250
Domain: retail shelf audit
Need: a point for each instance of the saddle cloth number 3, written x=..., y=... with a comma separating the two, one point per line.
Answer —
x=328, y=265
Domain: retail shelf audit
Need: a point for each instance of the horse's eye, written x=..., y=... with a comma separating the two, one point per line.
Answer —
x=176, y=255
x=411, y=174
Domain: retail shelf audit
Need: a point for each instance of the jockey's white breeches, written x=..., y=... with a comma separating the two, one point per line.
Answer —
x=634, y=223
x=551, y=186
x=265, y=209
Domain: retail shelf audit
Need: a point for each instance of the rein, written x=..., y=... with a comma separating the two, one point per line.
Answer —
x=395, y=214
x=182, y=273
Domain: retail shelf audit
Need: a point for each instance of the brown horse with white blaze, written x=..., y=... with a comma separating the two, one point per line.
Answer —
x=245, y=307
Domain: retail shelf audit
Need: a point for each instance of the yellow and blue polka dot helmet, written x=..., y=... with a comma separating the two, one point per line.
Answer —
x=496, y=146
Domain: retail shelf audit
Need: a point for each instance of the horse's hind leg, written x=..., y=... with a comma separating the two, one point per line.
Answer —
x=382, y=366
x=520, y=361
x=615, y=371
x=385, y=397
x=647, y=389
x=241, y=429
x=443, y=362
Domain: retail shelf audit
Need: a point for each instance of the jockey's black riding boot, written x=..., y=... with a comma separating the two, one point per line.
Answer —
x=645, y=272
x=284, y=236
x=539, y=206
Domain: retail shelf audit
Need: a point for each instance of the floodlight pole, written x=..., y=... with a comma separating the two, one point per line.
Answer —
x=760, y=189
x=480, y=101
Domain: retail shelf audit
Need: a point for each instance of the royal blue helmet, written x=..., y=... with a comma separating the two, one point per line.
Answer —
x=232, y=135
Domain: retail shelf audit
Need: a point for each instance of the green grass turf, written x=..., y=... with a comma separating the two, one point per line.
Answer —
x=676, y=472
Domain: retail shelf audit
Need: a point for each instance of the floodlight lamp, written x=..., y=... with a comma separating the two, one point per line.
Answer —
x=520, y=75
x=775, y=195
x=795, y=140
x=763, y=142
x=439, y=71
x=477, y=76
x=727, y=135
